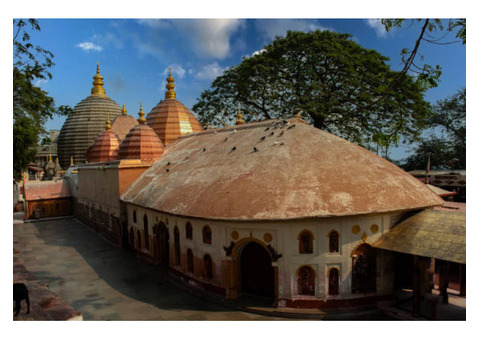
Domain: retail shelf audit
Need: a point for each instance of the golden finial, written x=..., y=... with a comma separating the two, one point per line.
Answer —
x=298, y=115
x=142, y=119
x=98, y=89
x=108, y=127
x=239, y=117
x=71, y=161
x=170, y=94
x=56, y=161
x=124, y=110
x=49, y=157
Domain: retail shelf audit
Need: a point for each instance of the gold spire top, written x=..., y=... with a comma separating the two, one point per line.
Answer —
x=98, y=89
x=71, y=161
x=49, y=157
x=124, y=110
x=56, y=161
x=239, y=117
x=170, y=94
x=142, y=119
x=108, y=127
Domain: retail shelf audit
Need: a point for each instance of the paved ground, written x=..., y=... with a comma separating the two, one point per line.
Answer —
x=105, y=283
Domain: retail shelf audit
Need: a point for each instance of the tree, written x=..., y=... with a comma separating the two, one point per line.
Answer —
x=338, y=85
x=31, y=105
x=427, y=74
x=447, y=141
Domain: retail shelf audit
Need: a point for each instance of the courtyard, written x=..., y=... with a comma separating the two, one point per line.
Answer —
x=106, y=283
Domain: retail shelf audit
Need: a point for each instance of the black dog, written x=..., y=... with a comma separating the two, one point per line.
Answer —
x=20, y=292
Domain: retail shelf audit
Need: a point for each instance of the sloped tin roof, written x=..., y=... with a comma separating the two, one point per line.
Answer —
x=430, y=233
x=46, y=190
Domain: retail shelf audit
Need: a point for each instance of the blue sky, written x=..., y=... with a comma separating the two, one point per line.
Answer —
x=135, y=54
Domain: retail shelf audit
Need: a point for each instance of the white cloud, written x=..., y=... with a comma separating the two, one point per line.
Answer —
x=89, y=46
x=377, y=25
x=210, y=37
x=271, y=28
x=209, y=72
x=177, y=71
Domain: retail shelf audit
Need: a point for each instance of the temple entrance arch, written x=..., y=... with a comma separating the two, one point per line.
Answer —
x=256, y=271
x=364, y=269
x=162, y=243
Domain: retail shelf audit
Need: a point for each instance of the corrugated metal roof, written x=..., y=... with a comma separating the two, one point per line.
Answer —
x=430, y=233
x=46, y=190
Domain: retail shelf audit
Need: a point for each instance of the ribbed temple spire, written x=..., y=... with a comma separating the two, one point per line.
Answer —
x=239, y=117
x=98, y=89
x=108, y=127
x=170, y=94
x=141, y=119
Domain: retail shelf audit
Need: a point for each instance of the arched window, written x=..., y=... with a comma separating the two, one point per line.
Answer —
x=189, y=231
x=333, y=275
x=208, y=267
x=176, y=237
x=145, y=231
x=364, y=269
x=305, y=242
x=207, y=234
x=306, y=280
x=134, y=216
x=139, y=240
x=190, y=260
x=333, y=241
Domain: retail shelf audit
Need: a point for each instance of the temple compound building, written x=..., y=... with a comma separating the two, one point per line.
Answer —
x=274, y=208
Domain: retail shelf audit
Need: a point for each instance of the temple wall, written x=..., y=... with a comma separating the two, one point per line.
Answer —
x=282, y=237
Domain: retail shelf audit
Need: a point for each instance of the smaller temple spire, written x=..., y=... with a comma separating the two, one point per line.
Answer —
x=71, y=161
x=124, y=110
x=108, y=127
x=56, y=161
x=239, y=116
x=142, y=119
x=98, y=89
x=170, y=94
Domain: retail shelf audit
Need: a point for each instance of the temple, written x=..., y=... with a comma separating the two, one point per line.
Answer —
x=274, y=208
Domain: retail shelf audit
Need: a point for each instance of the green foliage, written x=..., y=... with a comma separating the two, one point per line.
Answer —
x=449, y=139
x=338, y=85
x=427, y=75
x=31, y=105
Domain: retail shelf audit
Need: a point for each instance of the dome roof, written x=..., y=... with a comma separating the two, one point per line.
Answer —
x=105, y=147
x=171, y=119
x=123, y=123
x=85, y=123
x=274, y=170
x=141, y=142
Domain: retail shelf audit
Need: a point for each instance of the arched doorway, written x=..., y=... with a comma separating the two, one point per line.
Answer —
x=162, y=243
x=364, y=269
x=256, y=270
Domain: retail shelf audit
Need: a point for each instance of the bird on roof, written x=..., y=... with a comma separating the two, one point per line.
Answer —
x=234, y=148
x=255, y=149
x=281, y=133
x=292, y=126
x=234, y=131
x=262, y=138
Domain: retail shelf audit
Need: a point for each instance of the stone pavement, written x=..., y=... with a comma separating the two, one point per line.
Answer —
x=106, y=283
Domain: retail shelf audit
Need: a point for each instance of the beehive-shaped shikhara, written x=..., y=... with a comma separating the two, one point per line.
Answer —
x=170, y=118
x=105, y=147
x=141, y=142
x=85, y=123
x=123, y=123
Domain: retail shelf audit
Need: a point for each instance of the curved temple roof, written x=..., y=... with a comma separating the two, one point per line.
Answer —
x=274, y=170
